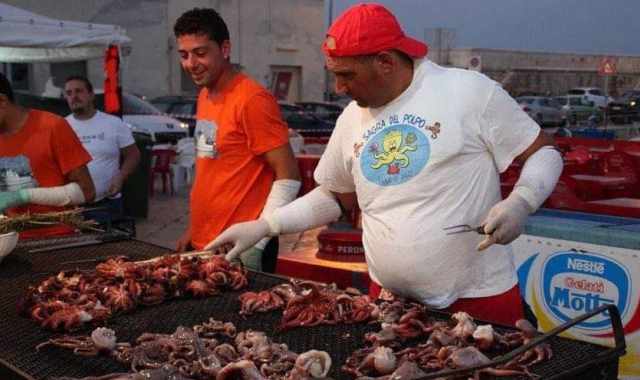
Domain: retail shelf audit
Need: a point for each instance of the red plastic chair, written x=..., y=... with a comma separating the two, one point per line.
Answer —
x=509, y=178
x=620, y=164
x=564, y=196
x=162, y=159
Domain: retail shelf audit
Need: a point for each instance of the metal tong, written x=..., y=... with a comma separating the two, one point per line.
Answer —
x=460, y=228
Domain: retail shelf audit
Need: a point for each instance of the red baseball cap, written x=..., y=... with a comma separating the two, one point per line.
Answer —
x=367, y=29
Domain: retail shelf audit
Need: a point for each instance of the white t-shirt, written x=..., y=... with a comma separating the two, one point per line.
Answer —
x=430, y=159
x=102, y=136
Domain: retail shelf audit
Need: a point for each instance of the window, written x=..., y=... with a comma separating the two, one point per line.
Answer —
x=576, y=92
x=18, y=75
x=182, y=109
x=162, y=106
x=595, y=92
x=286, y=82
x=61, y=71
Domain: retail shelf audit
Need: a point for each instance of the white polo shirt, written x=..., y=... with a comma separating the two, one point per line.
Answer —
x=102, y=136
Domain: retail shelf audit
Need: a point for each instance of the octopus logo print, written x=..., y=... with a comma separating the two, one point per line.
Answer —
x=395, y=155
x=205, y=136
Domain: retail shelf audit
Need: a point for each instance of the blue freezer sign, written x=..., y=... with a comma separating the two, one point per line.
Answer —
x=576, y=283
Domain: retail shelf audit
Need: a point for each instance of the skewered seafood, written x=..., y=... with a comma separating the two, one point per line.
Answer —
x=27, y=221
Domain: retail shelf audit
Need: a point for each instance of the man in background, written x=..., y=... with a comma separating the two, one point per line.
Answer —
x=110, y=143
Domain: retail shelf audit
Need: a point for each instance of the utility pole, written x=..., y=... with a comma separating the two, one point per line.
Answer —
x=440, y=41
x=328, y=11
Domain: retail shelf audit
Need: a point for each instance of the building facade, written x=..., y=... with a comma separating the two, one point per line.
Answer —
x=549, y=73
x=277, y=42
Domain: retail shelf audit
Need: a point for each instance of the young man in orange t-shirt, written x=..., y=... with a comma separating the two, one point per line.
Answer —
x=245, y=167
x=40, y=152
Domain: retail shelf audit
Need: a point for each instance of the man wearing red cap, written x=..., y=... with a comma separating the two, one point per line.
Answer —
x=421, y=148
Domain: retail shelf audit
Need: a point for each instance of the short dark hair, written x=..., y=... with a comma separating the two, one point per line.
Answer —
x=82, y=79
x=205, y=21
x=5, y=88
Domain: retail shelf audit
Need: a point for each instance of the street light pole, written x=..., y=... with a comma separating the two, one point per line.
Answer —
x=328, y=11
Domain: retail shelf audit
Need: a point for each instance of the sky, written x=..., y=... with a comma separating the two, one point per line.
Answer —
x=565, y=26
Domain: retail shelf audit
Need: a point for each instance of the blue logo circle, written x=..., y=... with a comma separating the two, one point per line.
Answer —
x=577, y=283
x=395, y=155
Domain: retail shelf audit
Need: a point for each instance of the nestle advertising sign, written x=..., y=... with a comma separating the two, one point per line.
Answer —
x=576, y=283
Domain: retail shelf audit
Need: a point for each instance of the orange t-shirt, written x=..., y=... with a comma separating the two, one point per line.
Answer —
x=46, y=149
x=234, y=128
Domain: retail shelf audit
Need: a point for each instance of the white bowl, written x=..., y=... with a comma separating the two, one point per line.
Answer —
x=8, y=242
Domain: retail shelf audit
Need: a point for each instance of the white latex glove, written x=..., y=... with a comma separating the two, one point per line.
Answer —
x=505, y=221
x=242, y=236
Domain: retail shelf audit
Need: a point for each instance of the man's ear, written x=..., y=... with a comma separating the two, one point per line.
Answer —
x=226, y=49
x=386, y=61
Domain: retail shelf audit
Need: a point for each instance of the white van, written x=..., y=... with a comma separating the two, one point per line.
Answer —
x=592, y=94
x=146, y=119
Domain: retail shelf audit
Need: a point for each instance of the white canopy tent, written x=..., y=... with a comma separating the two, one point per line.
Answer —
x=29, y=37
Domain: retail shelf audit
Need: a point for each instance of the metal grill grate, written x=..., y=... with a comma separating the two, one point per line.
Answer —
x=21, y=335
x=51, y=243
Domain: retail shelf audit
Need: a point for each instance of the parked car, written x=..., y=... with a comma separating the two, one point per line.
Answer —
x=545, y=111
x=141, y=116
x=297, y=141
x=593, y=94
x=304, y=122
x=183, y=108
x=323, y=110
x=146, y=119
x=54, y=105
x=577, y=109
x=626, y=108
x=341, y=100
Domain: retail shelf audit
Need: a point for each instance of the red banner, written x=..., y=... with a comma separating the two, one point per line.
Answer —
x=112, y=93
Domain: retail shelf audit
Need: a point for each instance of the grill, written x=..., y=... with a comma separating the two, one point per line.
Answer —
x=20, y=335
